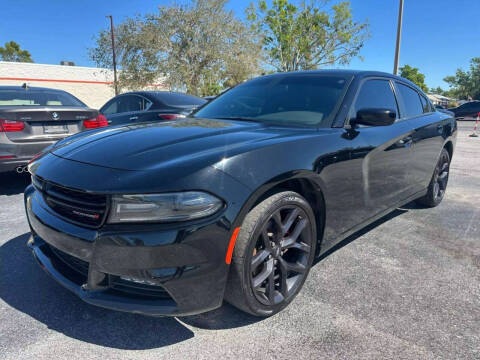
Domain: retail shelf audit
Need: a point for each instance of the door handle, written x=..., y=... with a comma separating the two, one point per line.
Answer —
x=134, y=118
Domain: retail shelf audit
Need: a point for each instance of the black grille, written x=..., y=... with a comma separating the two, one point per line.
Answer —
x=76, y=206
x=79, y=265
x=77, y=270
x=136, y=290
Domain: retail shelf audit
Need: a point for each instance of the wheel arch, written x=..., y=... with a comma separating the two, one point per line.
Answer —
x=305, y=183
x=449, y=147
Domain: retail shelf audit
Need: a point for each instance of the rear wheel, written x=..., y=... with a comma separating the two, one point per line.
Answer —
x=438, y=183
x=273, y=254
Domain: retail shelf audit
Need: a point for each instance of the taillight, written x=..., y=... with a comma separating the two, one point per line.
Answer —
x=11, y=125
x=98, y=122
x=170, y=116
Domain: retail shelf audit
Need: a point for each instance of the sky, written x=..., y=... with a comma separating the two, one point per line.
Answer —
x=438, y=36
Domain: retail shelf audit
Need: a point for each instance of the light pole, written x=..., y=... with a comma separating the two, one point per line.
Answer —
x=114, y=57
x=399, y=38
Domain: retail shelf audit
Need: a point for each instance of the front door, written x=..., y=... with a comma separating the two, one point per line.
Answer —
x=385, y=169
x=376, y=175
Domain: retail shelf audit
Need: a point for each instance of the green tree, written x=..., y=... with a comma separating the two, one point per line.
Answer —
x=12, y=52
x=307, y=36
x=438, y=90
x=199, y=47
x=414, y=75
x=466, y=84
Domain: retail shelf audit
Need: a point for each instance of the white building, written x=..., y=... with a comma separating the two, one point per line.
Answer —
x=440, y=99
x=94, y=86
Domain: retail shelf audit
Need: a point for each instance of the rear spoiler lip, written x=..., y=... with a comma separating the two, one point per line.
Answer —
x=35, y=108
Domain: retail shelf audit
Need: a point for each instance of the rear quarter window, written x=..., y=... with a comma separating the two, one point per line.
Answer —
x=425, y=104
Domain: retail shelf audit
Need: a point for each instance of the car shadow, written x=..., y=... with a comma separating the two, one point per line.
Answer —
x=25, y=287
x=12, y=183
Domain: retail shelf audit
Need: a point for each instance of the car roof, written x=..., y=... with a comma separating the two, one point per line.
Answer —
x=157, y=93
x=164, y=98
x=348, y=73
x=14, y=87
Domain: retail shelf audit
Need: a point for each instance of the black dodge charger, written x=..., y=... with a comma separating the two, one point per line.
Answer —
x=236, y=201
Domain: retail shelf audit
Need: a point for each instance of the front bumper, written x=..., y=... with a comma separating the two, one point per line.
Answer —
x=177, y=271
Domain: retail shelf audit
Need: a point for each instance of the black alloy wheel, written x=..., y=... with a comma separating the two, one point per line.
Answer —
x=273, y=254
x=441, y=176
x=438, y=184
x=280, y=256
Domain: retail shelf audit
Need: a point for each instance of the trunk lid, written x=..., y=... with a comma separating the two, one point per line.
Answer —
x=46, y=123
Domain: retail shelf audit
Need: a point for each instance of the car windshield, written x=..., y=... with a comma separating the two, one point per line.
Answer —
x=300, y=99
x=176, y=99
x=37, y=98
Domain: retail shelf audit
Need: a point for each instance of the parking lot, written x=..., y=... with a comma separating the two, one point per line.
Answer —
x=406, y=287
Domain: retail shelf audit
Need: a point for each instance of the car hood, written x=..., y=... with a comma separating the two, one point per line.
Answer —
x=189, y=142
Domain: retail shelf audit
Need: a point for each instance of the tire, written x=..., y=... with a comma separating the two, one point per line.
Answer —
x=438, y=183
x=276, y=243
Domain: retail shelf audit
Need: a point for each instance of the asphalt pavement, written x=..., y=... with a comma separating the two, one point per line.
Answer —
x=407, y=287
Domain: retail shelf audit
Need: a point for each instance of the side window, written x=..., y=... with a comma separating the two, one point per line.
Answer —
x=129, y=103
x=425, y=104
x=411, y=100
x=146, y=104
x=375, y=94
x=110, y=108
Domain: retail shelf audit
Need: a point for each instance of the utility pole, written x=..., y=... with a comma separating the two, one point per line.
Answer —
x=399, y=38
x=114, y=57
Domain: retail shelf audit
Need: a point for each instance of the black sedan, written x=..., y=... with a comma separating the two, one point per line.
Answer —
x=141, y=106
x=237, y=200
x=33, y=118
x=467, y=111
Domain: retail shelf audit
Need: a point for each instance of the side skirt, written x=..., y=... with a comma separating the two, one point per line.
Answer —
x=374, y=218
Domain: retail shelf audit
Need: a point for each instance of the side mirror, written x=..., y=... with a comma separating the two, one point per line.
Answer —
x=375, y=117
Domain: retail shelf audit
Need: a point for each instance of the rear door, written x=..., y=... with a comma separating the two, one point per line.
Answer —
x=429, y=127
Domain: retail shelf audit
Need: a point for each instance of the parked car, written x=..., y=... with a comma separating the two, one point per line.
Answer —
x=141, y=106
x=32, y=118
x=444, y=110
x=237, y=200
x=467, y=111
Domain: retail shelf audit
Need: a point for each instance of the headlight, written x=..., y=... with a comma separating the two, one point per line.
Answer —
x=178, y=206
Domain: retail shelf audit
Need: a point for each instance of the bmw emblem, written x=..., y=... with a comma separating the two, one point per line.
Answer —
x=55, y=116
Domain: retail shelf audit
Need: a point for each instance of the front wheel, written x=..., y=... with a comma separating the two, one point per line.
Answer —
x=273, y=254
x=438, y=183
